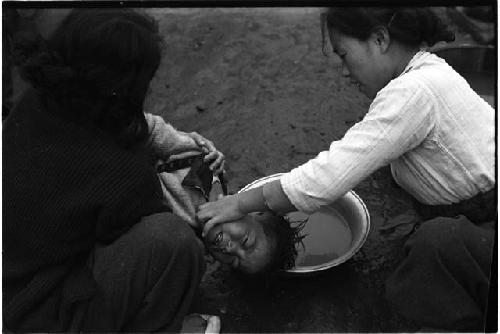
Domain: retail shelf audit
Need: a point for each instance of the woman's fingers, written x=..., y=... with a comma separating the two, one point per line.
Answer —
x=201, y=214
x=207, y=214
x=199, y=139
x=218, y=164
x=202, y=141
x=212, y=155
x=208, y=226
x=221, y=169
x=217, y=160
x=224, y=210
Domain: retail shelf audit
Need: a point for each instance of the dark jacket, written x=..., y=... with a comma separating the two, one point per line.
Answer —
x=65, y=188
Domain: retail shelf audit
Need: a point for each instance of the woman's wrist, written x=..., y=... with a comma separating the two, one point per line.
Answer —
x=251, y=201
x=269, y=197
x=276, y=199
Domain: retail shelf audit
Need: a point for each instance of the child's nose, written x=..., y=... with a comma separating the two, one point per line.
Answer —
x=345, y=71
x=231, y=247
x=234, y=248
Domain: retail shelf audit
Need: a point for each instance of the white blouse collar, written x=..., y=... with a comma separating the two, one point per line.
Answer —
x=415, y=61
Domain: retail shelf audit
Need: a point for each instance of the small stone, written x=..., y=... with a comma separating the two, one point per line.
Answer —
x=198, y=44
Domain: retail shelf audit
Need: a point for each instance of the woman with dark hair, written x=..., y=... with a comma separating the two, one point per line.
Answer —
x=438, y=136
x=88, y=242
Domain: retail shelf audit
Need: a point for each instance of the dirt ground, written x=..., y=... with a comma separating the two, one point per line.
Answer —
x=254, y=80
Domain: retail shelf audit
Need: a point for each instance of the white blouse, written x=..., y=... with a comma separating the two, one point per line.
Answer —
x=436, y=133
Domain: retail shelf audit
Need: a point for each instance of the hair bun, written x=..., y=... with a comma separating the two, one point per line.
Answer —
x=440, y=36
x=434, y=30
x=39, y=65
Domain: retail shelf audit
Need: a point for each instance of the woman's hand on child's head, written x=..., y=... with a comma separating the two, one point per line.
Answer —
x=214, y=156
x=226, y=209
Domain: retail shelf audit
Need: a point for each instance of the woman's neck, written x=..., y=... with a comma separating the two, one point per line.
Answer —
x=403, y=56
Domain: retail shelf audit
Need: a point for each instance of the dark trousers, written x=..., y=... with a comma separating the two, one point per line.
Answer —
x=444, y=280
x=148, y=277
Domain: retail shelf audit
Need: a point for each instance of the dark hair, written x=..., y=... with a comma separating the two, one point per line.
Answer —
x=410, y=26
x=284, y=237
x=97, y=65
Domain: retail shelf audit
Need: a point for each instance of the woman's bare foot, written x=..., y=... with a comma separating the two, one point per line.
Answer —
x=201, y=323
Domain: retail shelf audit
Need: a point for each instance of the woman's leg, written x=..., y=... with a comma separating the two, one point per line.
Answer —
x=443, y=282
x=149, y=276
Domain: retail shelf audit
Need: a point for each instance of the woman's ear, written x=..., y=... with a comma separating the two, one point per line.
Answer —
x=380, y=36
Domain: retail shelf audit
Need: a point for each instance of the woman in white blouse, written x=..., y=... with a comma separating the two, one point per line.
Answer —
x=438, y=136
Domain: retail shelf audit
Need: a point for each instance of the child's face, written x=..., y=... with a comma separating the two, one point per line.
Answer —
x=241, y=244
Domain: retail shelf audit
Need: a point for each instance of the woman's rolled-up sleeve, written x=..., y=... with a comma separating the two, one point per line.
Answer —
x=399, y=119
x=166, y=140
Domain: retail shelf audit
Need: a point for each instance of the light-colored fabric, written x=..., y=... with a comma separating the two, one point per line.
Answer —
x=176, y=197
x=179, y=198
x=165, y=140
x=437, y=134
x=171, y=144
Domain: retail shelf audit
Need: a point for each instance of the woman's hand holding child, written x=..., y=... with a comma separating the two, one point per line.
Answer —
x=224, y=210
x=213, y=155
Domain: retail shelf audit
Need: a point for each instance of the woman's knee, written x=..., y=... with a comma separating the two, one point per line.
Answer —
x=167, y=230
x=159, y=258
x=169, y=238
x=442, y=235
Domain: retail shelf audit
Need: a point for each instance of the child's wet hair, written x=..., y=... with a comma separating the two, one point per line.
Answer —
x=410, y=26
x=284, y=238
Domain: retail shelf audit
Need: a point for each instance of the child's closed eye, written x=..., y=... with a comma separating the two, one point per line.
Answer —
x=245, y=242
x=218, y=239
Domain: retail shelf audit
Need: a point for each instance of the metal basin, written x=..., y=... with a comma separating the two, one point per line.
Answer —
x=353, y=211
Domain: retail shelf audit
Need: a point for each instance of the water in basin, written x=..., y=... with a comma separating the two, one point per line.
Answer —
x=328, y=236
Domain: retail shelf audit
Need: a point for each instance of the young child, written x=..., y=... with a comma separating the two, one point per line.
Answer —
x=258, y=243
x=189, y=168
